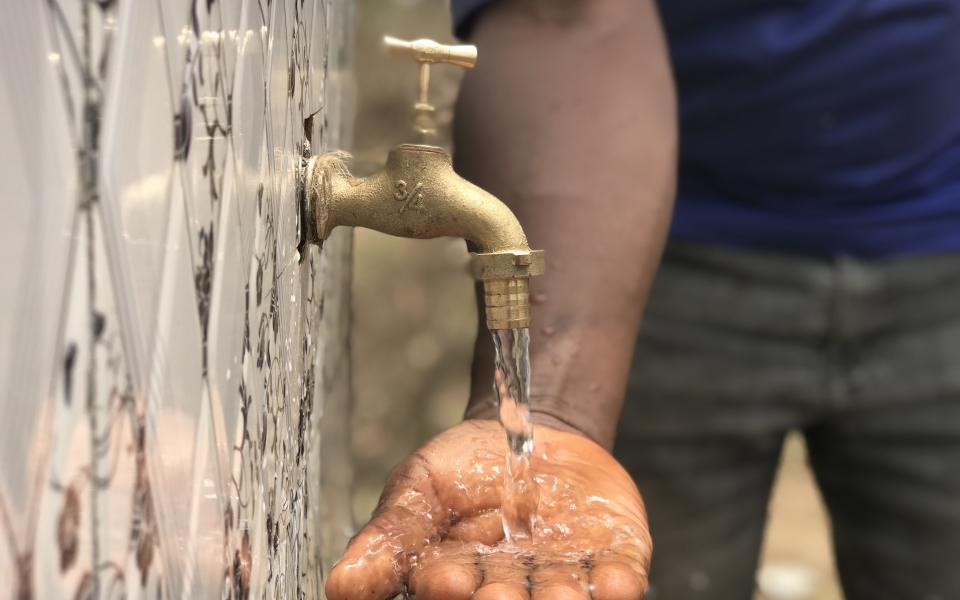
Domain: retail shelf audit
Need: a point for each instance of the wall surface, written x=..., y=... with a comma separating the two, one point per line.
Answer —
x=173, y=371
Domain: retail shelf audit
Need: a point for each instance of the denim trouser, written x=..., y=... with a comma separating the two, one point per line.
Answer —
x=863, y=357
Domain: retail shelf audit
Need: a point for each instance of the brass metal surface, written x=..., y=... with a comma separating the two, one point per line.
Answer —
x=429, y=51
x=426, y=53
x=507, y=303
x=418, y=195
x=500, y=265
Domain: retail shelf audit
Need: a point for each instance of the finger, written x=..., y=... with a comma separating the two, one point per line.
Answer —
x=505, y=577
x=564, y=580
x=560, y=592
x=618, y=577
x=560, y=580
x=447, y=572
x=485, y=528
x=377, y=560
x=374, y=564
x=446, y=582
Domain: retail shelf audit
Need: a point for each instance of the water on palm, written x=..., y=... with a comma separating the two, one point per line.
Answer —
x=512, y=386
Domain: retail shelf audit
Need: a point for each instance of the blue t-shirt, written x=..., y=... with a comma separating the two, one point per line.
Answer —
x=819, y=127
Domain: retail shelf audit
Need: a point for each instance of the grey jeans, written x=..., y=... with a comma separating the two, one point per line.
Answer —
x=863, y=357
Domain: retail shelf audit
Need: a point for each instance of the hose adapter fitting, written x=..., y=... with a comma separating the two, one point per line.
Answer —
x=506, y=285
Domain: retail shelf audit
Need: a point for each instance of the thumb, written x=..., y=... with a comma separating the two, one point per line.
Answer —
x=378, y=559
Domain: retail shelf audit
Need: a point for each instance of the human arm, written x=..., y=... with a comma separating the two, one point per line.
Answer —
x=570, y=118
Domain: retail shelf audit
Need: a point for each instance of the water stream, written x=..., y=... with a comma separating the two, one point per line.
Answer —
x=512, y=386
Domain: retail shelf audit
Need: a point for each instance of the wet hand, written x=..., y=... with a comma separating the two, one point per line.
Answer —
x=438, y=532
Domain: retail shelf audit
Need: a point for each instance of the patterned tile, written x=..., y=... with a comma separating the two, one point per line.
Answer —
x=178, y=375
x=95, y=500
x=204, y=155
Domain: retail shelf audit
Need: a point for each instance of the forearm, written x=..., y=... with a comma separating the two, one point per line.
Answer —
x=570, y=118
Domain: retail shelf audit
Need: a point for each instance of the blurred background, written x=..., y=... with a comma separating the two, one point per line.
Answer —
x=415, y=319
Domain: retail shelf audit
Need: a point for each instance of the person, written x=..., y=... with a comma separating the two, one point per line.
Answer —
x=810, y=282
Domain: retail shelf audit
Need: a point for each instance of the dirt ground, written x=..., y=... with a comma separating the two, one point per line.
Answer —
x=414, y=321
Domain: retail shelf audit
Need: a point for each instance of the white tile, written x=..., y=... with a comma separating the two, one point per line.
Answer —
x=230, y=37
x=250, y=105
x=318, y=59
x=63, y=26
x=176, y=397
x=278, y=82
x=37, y=166
x=205, y=549
x=180, y=42
x=138, y=157
x=228, y=324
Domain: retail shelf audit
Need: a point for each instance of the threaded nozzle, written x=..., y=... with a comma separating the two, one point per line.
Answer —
x=507, y=303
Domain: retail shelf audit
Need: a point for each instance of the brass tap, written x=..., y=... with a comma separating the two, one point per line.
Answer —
x=418, y=195
x=427, y=52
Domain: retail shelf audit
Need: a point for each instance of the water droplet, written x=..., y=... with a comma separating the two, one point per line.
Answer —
x=539, y=298
x=594, y=386
x=549, y=330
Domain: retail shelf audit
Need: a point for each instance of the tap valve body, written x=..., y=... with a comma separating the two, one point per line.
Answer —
x=417, y=194
x=506, y=285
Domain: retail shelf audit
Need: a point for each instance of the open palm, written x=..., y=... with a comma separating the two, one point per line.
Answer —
x=437, y=531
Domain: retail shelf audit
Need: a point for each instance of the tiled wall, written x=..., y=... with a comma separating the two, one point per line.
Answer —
x=173, y=372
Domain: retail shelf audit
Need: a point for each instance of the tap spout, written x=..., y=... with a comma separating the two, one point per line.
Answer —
x=418, y=195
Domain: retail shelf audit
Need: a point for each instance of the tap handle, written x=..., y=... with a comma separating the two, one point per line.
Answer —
x=427, y=52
